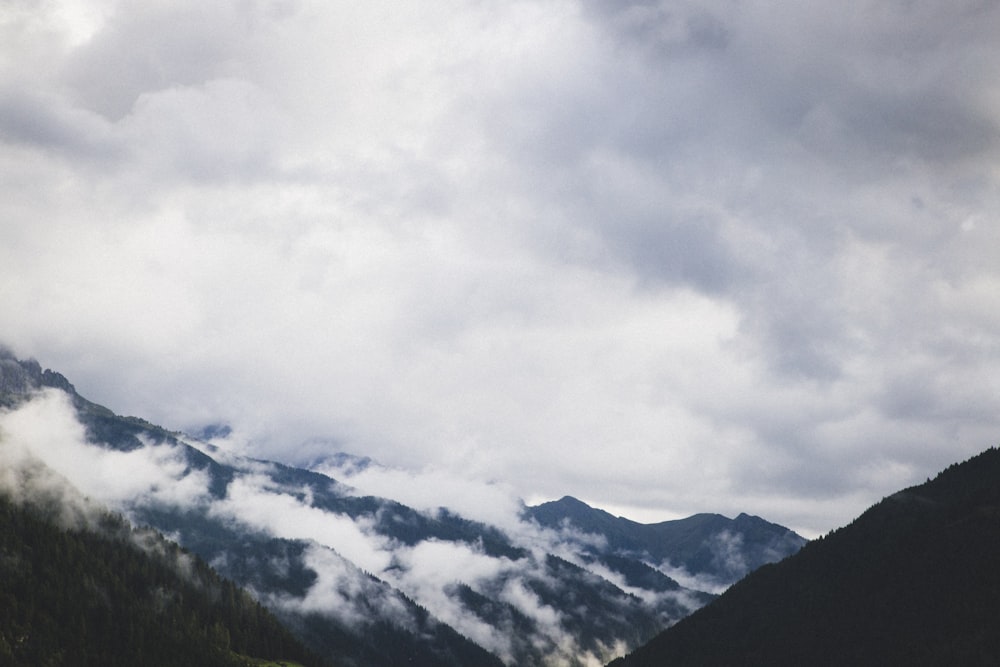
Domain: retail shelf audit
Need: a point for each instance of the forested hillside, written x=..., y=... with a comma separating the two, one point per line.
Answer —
x=109, y=595
x=912, y=581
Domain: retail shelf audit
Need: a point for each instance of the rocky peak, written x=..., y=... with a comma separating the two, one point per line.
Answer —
x=23, y=377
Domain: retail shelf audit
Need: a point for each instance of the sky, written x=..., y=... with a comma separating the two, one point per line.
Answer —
x=668, y=258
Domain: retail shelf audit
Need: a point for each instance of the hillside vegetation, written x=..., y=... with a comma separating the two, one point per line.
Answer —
x=912, y=581
x=109, y=595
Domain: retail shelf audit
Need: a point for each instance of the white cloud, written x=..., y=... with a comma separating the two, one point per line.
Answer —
x=46, y=429
x=346, y=593
x=686, y=257
x=253, y=501
x=428, y=571
x=25, y=477
x=428, y=490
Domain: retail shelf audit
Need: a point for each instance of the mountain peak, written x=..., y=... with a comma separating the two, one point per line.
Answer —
x=19, y=377
x=700, y=544
x=569, y=502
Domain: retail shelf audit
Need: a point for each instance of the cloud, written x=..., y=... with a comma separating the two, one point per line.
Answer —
x=430, y=489
x=254, y=501
x=42, y=121
x=428, y=572
x=677, y=257
x=25, y=477
x=45, y=429
x=344, y=592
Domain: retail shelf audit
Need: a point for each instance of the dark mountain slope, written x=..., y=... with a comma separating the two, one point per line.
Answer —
x=915, y=580
x=94, y=596
x=710, y=545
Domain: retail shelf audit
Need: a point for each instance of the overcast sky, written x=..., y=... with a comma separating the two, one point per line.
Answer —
x=665, y=257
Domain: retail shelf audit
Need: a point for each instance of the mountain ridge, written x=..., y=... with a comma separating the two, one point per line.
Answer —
x=367, y=580
x=680, y=542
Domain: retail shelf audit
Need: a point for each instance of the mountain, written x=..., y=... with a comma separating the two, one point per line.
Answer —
x=98, y=592
x=912, y=581
x=714, y=548
x=366, y=580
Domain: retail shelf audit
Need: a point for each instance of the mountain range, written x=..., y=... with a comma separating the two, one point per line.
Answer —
x=369, y=580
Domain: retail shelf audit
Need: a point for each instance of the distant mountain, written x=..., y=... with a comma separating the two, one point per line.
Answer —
x=915, y=580
x=365, y=580
x=710, y=546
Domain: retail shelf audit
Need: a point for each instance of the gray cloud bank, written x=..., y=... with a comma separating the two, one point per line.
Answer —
x=669, y=257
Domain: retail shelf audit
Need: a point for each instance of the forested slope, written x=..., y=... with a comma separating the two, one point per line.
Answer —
x=109, y=595
x=912, y=581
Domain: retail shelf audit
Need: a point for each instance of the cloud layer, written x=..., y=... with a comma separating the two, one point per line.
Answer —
x=668, y=257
